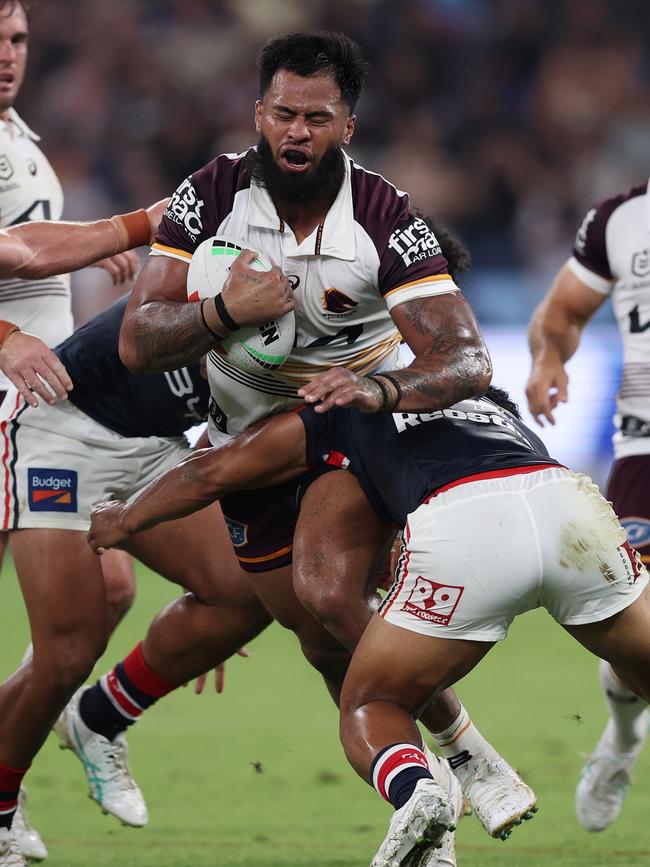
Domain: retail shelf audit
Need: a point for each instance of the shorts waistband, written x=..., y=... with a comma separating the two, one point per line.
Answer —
x=493, y=474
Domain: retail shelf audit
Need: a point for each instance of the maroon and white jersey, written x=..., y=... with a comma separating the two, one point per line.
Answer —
x=611, y=255
x=370, y=254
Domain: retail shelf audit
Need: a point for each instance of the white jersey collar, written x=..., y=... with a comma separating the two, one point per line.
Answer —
x=20, y=125
x=335, y=237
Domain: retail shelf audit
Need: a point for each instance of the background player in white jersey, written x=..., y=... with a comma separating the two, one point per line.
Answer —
x=610, y=260
x=30, y=190
x=472, y=471
x=37, y=250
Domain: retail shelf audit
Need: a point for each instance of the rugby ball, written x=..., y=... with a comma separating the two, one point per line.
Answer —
x=254, y=348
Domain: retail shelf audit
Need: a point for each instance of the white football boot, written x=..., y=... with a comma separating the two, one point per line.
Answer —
x=445, y=854
x=603, y=783
x=497, y=794
x=10, y=855
x=422, y=821
x=28, y=839
x=105, y=764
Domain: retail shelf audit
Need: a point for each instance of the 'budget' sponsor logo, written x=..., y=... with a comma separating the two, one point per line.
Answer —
x=52, y=490
x=433, y=602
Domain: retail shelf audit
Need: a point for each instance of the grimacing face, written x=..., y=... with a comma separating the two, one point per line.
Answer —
x=13, y=55
x=302, y=119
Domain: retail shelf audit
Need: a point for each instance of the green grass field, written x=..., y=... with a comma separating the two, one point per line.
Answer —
x=535, y=697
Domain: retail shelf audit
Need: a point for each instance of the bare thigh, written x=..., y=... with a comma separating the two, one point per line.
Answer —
x=624, y=641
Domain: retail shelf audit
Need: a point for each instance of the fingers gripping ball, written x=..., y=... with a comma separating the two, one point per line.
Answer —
x=254, y=348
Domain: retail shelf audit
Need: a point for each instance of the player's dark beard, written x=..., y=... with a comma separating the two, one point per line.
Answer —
x=320, y=184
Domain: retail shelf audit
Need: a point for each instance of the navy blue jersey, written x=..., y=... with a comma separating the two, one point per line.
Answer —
x=151, y=404
x=401, y=458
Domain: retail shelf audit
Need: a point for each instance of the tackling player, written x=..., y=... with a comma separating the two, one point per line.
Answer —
x=474, y=469
x=363, y=272
x=610, y=259
x=115, y=432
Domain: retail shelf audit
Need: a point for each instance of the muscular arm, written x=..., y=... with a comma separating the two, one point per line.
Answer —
x=267, y=454
x=161, y=331
x=554, y=335
x=451, y=362
x=41, y=249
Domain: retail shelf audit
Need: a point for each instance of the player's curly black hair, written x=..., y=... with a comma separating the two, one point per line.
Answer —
x=309, y=54
x=453, y=249
x=501, y=397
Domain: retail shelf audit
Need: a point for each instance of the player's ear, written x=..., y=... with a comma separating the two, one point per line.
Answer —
x=349, y=129
x=258, y=116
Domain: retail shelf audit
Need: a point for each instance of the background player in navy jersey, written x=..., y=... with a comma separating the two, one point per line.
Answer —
x=610, y=259
x=471, y=471
x=362, y=272
x=115, y=432
x=36, y=250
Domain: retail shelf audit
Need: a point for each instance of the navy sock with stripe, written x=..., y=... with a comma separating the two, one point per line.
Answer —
x=118, y=699
x=396, y=771
x=10, y=780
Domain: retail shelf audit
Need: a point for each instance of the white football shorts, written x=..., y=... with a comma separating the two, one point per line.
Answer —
x=481, y=552
x=57, y=463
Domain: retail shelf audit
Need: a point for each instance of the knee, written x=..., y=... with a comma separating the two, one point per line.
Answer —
x=342, y=611
x=66, y=660
x=119, y=580
x=331, y=662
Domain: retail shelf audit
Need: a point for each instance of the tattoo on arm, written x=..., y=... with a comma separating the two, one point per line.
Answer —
x=451, y=361
x=169, y=335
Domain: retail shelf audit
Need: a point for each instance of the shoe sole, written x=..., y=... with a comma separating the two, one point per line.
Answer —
x=505, y=830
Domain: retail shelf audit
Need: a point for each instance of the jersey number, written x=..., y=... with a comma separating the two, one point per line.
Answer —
x=180, y=384
x=351, y=334
x=635, y=323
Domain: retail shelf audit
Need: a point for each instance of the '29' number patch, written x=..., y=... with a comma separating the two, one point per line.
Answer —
x=433, y=602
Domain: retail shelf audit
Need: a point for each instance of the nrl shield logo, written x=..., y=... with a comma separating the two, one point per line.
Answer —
x=6, y=169
x=641, y=263
x=237, y=531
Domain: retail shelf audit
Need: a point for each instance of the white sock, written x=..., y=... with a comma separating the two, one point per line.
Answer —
x=462, y=741
x=628, y=723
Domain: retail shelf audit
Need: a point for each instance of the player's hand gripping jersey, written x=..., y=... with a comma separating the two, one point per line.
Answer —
x=611, y=256
x=370, y=254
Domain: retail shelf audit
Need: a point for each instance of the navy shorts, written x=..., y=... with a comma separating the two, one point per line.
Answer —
x=628, y=489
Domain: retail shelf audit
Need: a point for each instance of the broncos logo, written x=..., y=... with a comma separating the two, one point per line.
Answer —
x=335, y=301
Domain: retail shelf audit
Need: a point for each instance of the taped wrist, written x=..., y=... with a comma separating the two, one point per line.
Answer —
x=6, y=328
x=131, y=230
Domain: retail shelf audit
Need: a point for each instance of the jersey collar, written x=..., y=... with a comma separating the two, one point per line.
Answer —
x=21, y=126
x=335, y=237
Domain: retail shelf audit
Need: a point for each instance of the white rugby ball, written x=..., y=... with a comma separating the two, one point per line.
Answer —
x=254, y=348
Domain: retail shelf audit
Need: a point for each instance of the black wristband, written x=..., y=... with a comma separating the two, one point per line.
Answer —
x=226, y=318
x=384, y=393
x=398, y=388
x=205, y=323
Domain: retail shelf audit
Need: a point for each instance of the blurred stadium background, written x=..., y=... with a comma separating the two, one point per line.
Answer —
x=507, y=119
